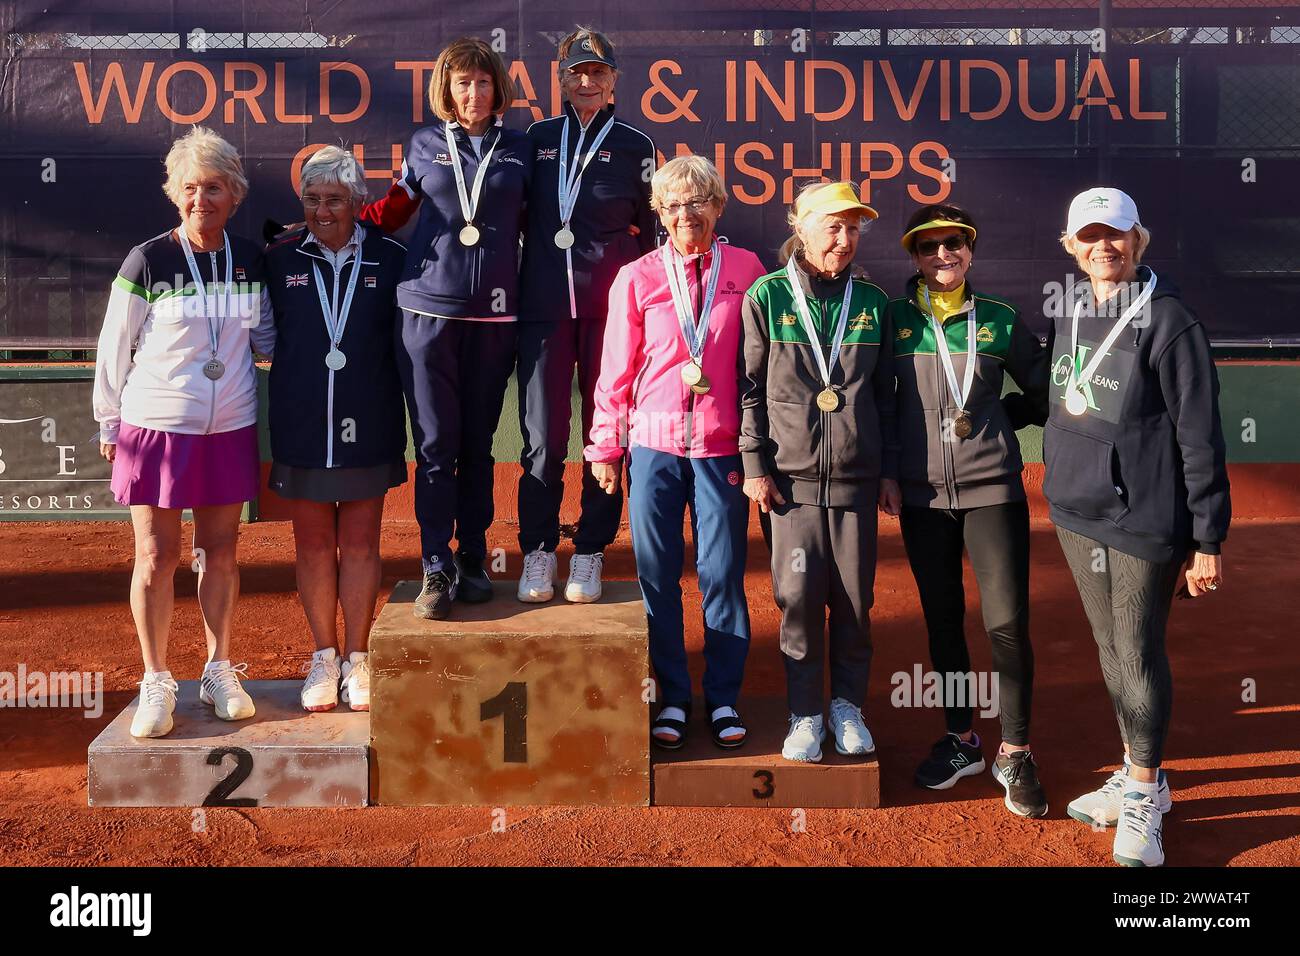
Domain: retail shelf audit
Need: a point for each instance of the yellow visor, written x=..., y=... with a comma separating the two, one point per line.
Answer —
x=833, y=198
x=934, y=224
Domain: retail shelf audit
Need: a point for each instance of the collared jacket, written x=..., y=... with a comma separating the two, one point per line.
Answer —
x=832, y=459
x=319, y=417
x=641, y=397
x=155, y=310
x=938, y=468
x=442, y=275
x=615, y=194
x=1143, y=468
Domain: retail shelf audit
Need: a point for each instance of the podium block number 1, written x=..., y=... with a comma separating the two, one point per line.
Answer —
x=512, y=705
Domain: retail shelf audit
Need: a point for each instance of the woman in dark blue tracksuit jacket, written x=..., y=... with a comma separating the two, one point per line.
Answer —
x=459, y=299
x=571, y=255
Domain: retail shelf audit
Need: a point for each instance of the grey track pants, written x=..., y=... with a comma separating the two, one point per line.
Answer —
x=1127, y=601
x=824, y=558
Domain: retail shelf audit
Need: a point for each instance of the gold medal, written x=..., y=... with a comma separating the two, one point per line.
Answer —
x=469, y=235
x=962, y=425
x=828, y=400
x=692, y=374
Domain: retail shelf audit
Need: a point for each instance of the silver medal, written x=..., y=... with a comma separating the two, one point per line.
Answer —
x=469, y=236
x=214, y=368
x=335, y=359
x=1076, y=403
x=564, y=238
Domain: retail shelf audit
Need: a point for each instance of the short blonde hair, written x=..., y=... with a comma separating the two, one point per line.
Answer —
x=202, y=149
x=332, y=165
x=461, y=56
x=1143, y=240
x=692, y=175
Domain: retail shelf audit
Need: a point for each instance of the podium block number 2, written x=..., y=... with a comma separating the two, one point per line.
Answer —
x=512, y=705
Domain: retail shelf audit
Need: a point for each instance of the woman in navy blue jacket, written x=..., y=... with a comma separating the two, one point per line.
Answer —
x=337, y=437
x=588, y=216
x=469, y=177
x=1135, y=476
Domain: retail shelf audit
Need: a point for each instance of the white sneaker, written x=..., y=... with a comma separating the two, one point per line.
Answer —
x=584, y=578
x=1102, y=806
x=852, y=739
x=220, y=687
x=537, y=584
x=153, y=717
x=320, y=691
x=804, y=741
x=1139, y=840
x=356, y=680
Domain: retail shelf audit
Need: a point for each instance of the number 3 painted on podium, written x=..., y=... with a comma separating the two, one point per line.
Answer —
x=512, y=704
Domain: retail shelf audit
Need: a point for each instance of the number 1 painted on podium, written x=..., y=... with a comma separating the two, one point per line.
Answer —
x=511, y=704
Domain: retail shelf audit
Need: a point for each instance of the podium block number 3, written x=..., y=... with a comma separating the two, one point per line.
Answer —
x=512, y=705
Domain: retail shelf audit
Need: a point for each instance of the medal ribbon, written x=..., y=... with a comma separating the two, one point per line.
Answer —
x=694, y=329
x=945, y=356
x=336, y=321
x=469, y=203
x=214, y=332
x=1086, y=375
x=824, y=365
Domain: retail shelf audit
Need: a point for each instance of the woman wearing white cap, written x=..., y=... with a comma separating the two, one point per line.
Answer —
x=1138, y=489
x=819, y=448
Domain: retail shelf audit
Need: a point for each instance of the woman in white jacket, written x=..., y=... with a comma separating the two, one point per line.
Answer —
x=178, y=419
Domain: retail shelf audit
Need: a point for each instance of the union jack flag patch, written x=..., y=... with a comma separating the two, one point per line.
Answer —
x=295, y=280
x=548, y=154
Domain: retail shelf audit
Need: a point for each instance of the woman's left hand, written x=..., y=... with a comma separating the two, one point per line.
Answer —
x=1204, y=573
x=891, y=497
x=606, y=475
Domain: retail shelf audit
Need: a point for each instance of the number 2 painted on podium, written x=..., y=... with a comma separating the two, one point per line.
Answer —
x=511, y=704
x=220, y=795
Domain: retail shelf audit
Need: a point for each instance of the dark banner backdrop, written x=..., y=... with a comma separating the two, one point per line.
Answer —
x=1005, y=109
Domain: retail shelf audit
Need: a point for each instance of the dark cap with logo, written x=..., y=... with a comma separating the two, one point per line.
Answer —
x=584, y=51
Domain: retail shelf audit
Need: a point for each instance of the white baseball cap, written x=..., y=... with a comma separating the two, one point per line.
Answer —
x=1103, y=204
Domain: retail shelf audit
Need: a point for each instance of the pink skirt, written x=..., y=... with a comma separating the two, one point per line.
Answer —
x=169, y=470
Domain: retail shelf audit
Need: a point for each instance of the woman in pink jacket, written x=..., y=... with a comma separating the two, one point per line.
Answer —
x=668, y=393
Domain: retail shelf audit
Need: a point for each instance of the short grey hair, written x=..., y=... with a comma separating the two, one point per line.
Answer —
x=693, y=175
x=203, y=150
x=334, y=166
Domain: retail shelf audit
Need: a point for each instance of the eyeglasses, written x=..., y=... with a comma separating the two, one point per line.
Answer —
x=333, y=205
x=696, y=204
x=928, y=247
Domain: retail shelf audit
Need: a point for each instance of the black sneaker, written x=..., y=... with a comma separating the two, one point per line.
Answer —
x=1018, y=775
x=950, y=759
x=475, y=587
x=434, y=602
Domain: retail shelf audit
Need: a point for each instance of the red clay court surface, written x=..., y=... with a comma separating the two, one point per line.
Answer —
x=1234, y=766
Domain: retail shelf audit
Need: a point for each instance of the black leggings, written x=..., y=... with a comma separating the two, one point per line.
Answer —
x=997, y=539
x=1127, y=602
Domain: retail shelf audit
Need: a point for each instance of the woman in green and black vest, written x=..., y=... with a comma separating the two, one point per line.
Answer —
x=959, y=469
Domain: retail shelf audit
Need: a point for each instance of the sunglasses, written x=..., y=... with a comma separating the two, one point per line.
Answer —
x=928, y=247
